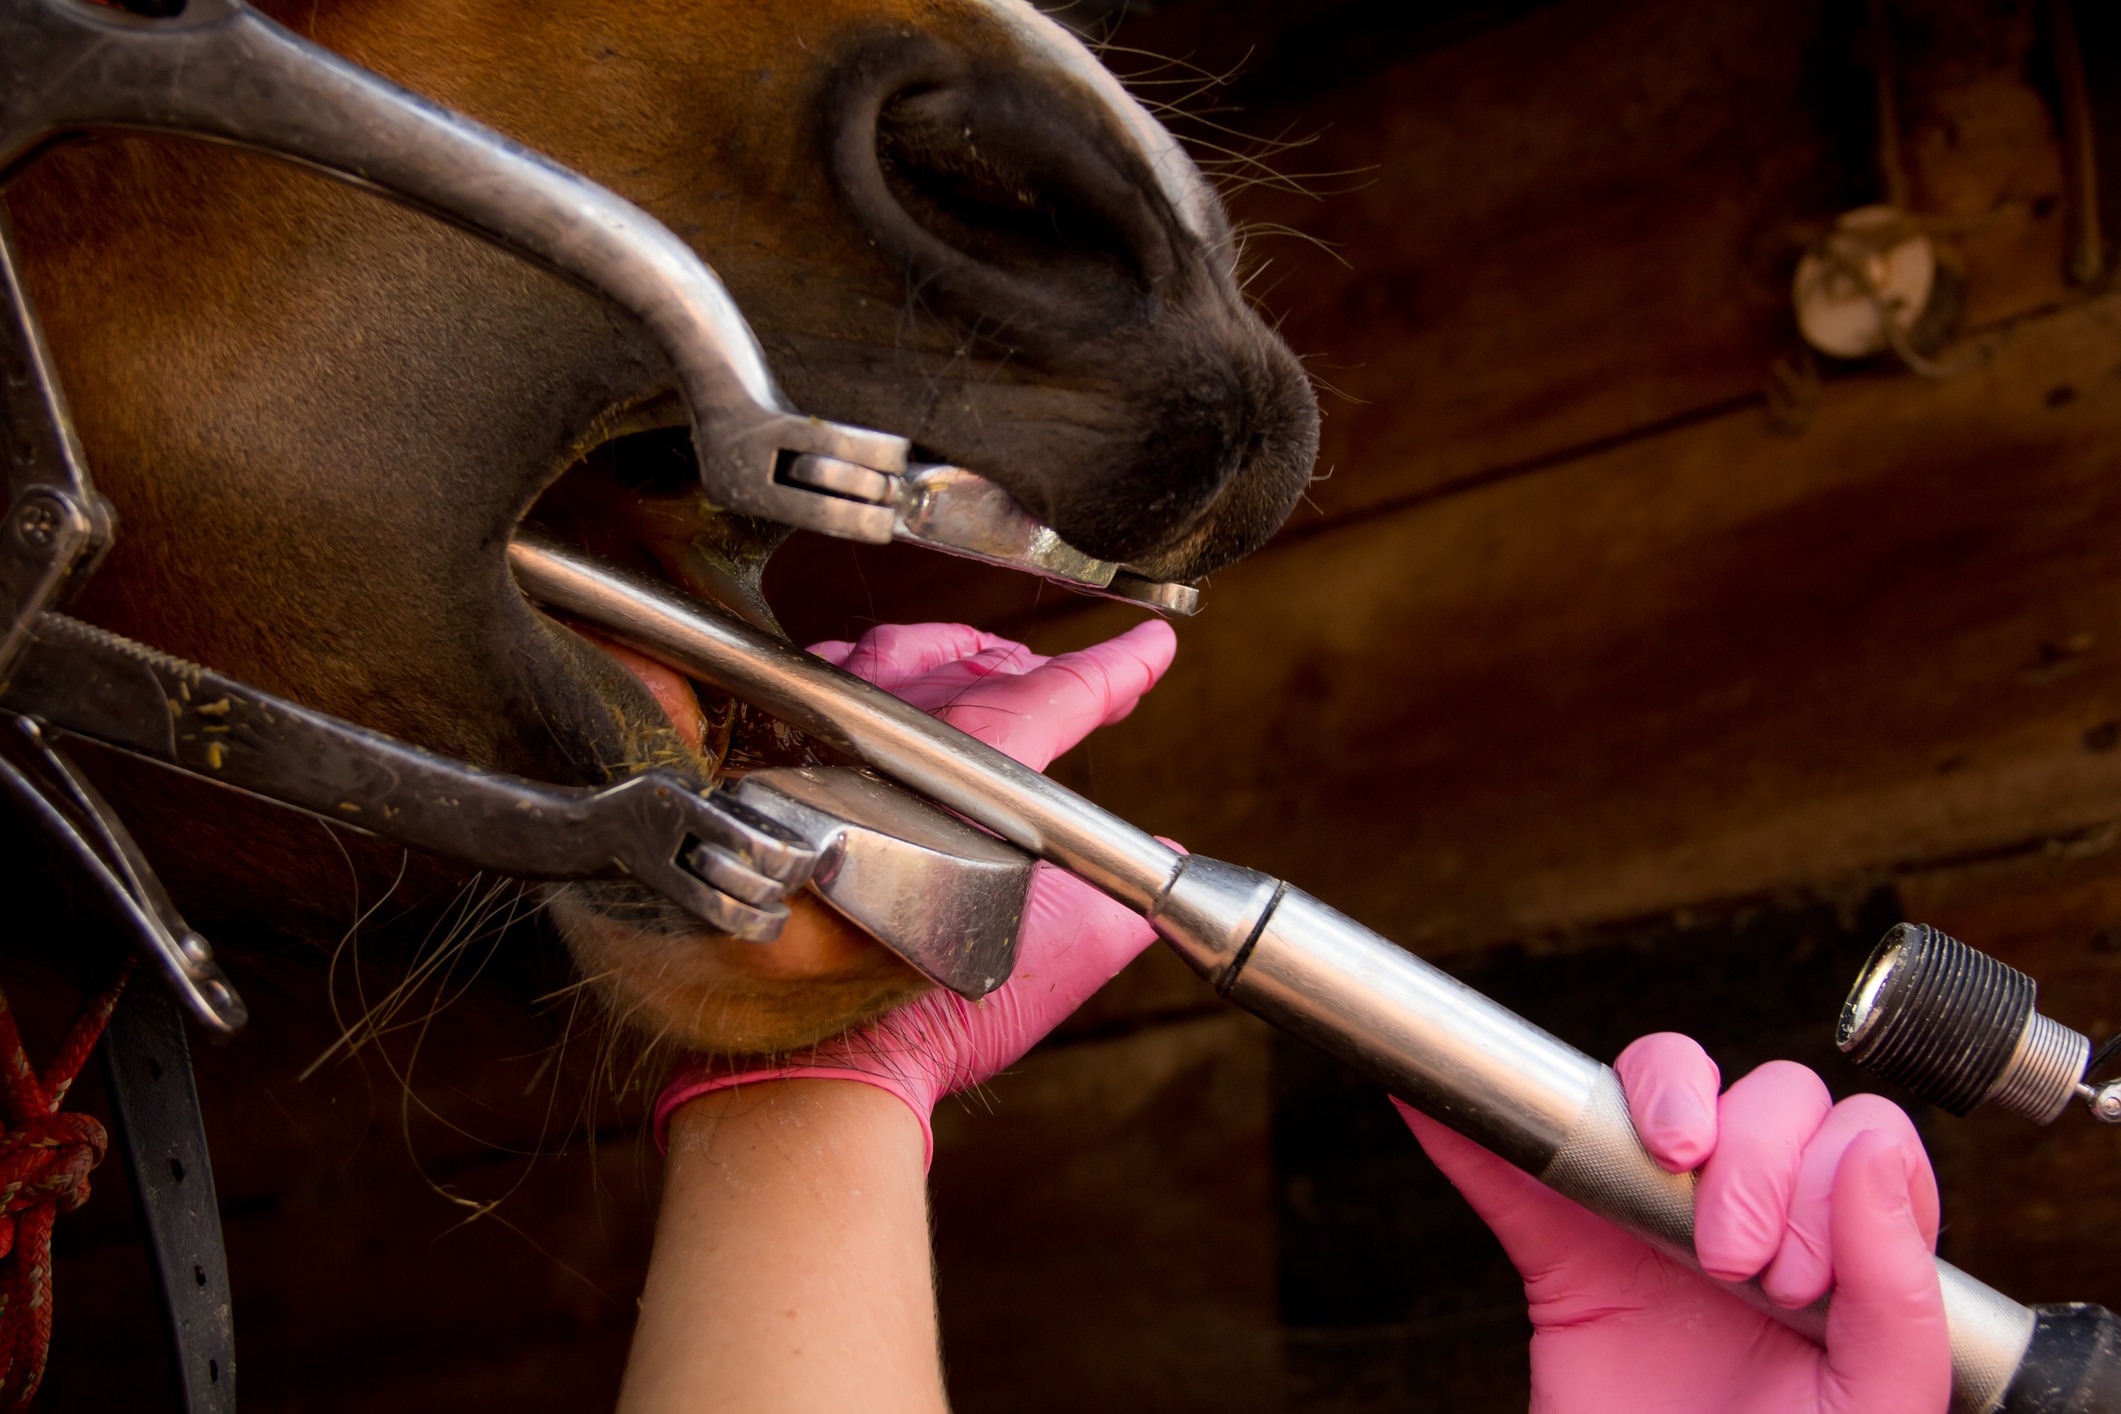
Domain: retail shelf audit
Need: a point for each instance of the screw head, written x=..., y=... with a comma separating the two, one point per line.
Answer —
x=46, y=522
x=37, y=522
x=2106, y=1102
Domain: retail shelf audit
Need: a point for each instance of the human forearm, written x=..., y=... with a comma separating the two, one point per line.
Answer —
x=791, y=1271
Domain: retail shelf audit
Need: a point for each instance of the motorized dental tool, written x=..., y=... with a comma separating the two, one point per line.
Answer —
x=1287, y=958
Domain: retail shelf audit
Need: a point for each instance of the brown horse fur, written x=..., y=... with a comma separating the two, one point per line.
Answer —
x=320, y=416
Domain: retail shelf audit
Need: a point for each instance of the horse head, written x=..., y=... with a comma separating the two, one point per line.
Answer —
x=321, y=417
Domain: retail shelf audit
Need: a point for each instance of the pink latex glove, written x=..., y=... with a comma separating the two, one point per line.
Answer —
x=1805, y=1193
x=1074, y=939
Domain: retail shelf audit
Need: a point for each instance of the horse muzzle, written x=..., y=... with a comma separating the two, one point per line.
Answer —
x=217, y=69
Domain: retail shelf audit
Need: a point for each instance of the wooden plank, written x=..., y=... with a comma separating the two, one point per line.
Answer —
x=1582, y=220
x=1713, y=663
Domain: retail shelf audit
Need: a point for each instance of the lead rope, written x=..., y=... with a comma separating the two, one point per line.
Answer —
x=45, y=1159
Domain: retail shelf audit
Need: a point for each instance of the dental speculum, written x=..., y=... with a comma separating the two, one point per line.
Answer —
x=220, y=71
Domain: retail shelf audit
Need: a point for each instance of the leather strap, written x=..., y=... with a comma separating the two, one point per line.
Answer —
x=155, y=1104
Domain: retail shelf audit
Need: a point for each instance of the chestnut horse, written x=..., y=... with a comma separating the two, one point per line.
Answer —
x=320, y=416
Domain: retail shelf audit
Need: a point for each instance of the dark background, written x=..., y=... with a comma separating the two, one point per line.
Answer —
x=1627, y=661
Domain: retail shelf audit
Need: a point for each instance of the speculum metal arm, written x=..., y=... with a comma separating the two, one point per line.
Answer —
x=222, y=72
x=950, y=509
x=704, y=850
x=945, y=897
x=1275, y=951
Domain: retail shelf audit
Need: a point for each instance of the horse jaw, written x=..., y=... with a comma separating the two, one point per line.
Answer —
x=322, y=417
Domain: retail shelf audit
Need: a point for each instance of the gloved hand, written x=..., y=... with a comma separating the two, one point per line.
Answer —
x=1807, y=1194
x=1074, y=939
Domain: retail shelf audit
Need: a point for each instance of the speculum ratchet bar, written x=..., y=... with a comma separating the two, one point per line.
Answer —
x=705, y=850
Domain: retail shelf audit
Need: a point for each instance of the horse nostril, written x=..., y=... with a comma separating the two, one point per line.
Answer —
x=1013, y=194
x=1005, y=195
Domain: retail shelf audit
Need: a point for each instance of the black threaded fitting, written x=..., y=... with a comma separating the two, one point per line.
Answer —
x=1958, y=1027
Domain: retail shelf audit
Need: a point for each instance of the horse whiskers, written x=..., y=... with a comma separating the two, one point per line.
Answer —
x=488, y=916
x=353, y=1035
x=1205, y=80
x=349, y=940
x=1326, y=385
x=488, y=1210
x=1233, y=169
x=1248, y=230
x=465, y=921
x=579, y=985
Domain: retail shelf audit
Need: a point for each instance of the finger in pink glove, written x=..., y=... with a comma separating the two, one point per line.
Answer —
x=1768, y=1150
x=1887, y=1346
x=1073, y=939
x=1031, y=706
x=1671, y=1086
x=1820, y=1196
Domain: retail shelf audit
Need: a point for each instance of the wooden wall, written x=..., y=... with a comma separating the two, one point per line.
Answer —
x=1626, y=661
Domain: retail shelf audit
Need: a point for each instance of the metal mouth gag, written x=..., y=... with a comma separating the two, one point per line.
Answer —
x=221, y=71
x=217, y=70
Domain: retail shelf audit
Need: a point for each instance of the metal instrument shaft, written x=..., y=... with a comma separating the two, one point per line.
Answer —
x=1271, y=949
